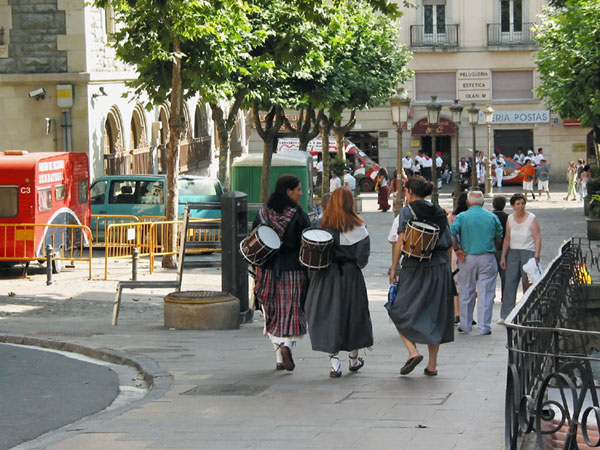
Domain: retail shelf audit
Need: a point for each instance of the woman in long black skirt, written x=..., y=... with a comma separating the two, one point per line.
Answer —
x=423, y=309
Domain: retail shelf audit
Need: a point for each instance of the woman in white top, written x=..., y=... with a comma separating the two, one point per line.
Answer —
x=523, y=241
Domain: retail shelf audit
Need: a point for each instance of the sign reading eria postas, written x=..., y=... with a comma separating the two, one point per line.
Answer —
x=521, y=116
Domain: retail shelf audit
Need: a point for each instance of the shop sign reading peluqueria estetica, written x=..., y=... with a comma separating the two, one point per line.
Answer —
x=474, y=85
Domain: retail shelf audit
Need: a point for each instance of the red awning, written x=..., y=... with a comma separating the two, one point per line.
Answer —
x=445, y=128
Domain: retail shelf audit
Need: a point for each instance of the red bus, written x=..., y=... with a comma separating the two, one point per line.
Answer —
x=46, y=189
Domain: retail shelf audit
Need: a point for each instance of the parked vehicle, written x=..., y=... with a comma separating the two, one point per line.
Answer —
x=145, y=195
x=511, y=172
x=41, y=188
x=365, y=169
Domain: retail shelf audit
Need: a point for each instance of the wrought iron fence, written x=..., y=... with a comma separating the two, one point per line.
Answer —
x=516, y=34
x=443, y=36
x=551, y=394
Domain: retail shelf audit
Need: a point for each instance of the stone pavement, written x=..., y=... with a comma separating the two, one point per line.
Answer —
x=219, y=389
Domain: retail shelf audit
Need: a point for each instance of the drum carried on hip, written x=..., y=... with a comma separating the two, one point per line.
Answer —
x=315, y=250
x=420, y=239
x=259, y=245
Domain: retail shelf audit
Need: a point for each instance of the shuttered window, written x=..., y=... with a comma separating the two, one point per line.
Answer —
x=514, y=85
x=442, y=84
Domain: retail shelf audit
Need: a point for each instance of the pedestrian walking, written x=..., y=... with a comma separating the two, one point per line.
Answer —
x=543, y=177
x=571, y=179
x=383, y=193
x=281, y=283
x=461, y=206
x=498, y=205
x=474, y=234
x=337, y=305
x=583, y=181
x=422, y=310
x=522, y=242
x=334, y=182
x=349, y=180
x=528, y=173
x=500, y=163
x=407, y=164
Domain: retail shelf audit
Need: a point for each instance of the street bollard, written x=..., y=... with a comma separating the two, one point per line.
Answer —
x=134, y=263
x=49, y=265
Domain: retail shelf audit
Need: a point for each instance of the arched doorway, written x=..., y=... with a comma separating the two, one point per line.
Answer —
x=201, y=140
x=141, y=155
x=116, y=161
x=443, y=137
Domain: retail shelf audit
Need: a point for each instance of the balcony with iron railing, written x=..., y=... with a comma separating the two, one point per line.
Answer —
x=516, y=35
x=553, y=342
x=445, y=36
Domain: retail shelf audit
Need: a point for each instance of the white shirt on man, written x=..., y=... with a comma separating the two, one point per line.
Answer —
x=349, y=181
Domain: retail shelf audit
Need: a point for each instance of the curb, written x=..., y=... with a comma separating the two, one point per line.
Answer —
x=157, y=380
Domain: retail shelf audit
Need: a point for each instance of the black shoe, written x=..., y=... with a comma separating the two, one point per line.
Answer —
x=487, y=333
x=356, y=367
x=430, y=373
x=460, y=330
x=288, y=361
x=410, y=365
x=279, y=366
x=473, y=323
x=457, y=320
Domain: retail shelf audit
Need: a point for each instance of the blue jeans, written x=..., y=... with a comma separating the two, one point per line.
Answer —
x=515, y=259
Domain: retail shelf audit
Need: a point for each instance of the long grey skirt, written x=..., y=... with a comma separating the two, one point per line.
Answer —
x=424, y=307
x=337, y=310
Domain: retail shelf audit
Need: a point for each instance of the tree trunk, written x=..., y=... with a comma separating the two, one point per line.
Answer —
x=596, y=141
x=340, y=131
x=325, y=129
x=273, y=122
x=224, y=130
x=170, y=261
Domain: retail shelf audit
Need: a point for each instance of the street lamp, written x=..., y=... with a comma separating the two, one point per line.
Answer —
x=473, y=120
x=433, y=117
x=456, y=109
x=399, y=104
x=488, y=114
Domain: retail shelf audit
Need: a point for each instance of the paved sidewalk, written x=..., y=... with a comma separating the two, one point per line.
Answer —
x=219, y=389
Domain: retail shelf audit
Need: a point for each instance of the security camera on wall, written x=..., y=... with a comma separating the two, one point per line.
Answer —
x=38, y=94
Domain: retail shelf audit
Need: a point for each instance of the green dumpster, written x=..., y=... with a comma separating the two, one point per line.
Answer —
x=246, y=173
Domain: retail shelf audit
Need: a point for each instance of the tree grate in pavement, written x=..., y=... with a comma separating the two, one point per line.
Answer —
x=245, y=390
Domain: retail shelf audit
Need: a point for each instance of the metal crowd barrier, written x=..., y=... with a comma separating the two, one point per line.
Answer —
x=18, y=242
x=122, y=238
x=553, y=346
x=101, y=223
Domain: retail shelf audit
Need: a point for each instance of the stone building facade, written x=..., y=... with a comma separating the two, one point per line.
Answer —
x=62, y=89
x=478, y=52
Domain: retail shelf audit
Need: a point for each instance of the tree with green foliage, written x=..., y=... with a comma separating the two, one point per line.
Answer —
x=569, y=62
x=158, y=37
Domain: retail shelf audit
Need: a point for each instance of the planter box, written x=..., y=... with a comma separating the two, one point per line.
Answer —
x=593, y=228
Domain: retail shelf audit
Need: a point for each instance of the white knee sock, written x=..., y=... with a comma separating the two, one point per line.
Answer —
x=335, y=362
x=278, y=353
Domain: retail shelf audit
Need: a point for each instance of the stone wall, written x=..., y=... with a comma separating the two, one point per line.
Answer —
x=35, y=27
x=101, y=56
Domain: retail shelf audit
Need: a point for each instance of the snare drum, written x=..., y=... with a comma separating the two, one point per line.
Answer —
x=259, y=245
x=420, y=239
x=315, y=251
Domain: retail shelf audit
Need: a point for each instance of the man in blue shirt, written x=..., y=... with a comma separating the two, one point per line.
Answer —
x=474, y=233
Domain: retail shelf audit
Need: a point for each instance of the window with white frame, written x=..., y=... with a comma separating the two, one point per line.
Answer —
x=511, y=15
x=442, y=84
x=434, y=16
x=512, y=85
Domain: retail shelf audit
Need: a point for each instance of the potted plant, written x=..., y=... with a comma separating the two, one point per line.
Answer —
x=593, y=219
x=593, y=187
